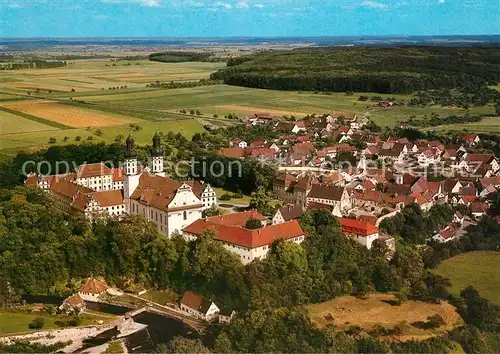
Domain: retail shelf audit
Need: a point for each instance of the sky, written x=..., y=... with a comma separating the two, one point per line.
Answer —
x=252, y=18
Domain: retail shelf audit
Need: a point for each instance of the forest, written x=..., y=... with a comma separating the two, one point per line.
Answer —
x=44, y=251
x=381, y=70
x=178, y=57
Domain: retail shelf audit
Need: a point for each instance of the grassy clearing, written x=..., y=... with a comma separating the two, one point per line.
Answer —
x=350, y=311
x=11, y=143
x=245, y=200
x=486, y=125
x=15, y=322
x=114, y=348
x=160, y=297
x=479, y=269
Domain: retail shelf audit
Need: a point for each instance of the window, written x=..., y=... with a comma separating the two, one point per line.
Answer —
x=185, y=215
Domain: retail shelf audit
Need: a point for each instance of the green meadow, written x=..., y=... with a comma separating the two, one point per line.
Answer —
x=479, y=269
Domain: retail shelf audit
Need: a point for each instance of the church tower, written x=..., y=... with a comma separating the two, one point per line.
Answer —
x=132, y=176
x=156, y=158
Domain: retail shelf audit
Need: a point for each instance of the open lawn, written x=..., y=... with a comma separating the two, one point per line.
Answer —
x=486, y=125
x=479, y=269
x=244, y=200
x=376, y=309
x=160, y=297
x=15, y=322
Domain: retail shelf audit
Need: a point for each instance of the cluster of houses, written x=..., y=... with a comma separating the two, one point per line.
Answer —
x=374, y=194
x=94, y=290
x=298, y=141
x=96, y=189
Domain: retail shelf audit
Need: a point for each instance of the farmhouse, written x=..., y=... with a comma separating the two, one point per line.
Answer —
x=92, y=290
x=73, y=303
x=445, y=235
x=238, y=143
x=287, y=213
x=362, y=231
x=199, y=307
x=338, y=197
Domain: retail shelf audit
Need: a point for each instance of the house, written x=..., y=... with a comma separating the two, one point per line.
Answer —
x=341, y=116
x=198, y=306
x=362, y=231
x=300, y=126
x=478, y=209
x=336, y=196
x=445, y=235
x=238, y=143
x=96, y=176
x=248, y=244
x=472, y=162
x=226, y=315
x=73, y=304
x=92, y=290
x=469, y=139
x=260, y=118
x=287, y=213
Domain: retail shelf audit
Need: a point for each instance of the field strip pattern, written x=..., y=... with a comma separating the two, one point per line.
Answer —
x=65, y=115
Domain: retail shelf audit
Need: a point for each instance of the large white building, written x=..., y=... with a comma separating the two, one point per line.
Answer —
x=97, y=189
x=248, y=244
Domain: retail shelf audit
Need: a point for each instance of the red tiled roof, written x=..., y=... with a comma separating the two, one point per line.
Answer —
x=109, y=198
x=74, y=300
x=484, y=158
x=158, y=192
x=479, y=207
x=245, y=237
x=237, y=219
x=357, y=227
x=93, y=170
x=93, y=286
x=195, y=301
x=372, y=219
x=232, y=152
x=447, y=233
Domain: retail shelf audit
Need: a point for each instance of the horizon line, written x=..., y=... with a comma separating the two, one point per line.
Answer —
x=258, y=37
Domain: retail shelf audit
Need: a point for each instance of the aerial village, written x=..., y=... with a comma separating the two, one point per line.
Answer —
x=386, y=175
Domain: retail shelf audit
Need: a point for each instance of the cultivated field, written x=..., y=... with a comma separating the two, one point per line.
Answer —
x=11, y=143
x=112, y=94
x=479, y=269
x=350, y=311
x=67, y=115
x=97, y=74
x=14, y=124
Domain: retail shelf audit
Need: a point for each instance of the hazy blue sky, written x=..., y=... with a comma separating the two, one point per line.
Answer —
x=210, y=18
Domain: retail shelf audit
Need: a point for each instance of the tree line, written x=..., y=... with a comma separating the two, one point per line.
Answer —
x=382, y=70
